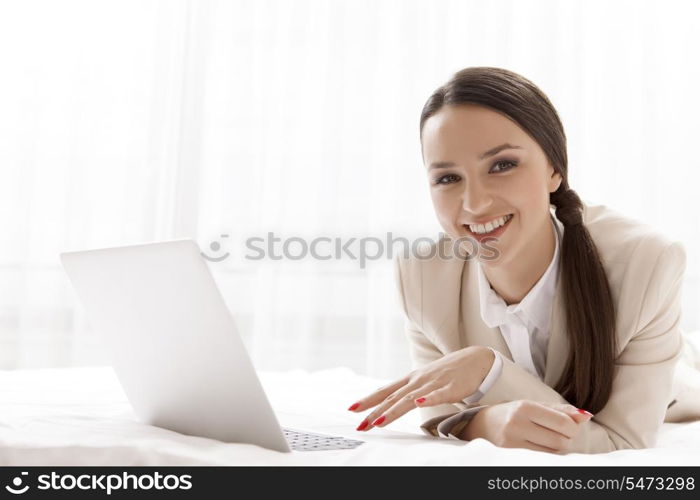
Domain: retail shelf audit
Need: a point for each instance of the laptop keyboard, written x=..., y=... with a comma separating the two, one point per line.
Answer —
x=308, y=441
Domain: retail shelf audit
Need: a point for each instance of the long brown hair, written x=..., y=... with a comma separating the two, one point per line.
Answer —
x=590, y=314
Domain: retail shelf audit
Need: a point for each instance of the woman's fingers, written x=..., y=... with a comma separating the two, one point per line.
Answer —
x=435, y=397
x=578, y=415
x=547, y=437
x=555, y=425
x=378, y=396
x=534, y=446
x=395, y=405
x=554, y=420
x=404, y=402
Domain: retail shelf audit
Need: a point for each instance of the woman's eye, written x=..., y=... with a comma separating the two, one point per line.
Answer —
x=501, y=166
x=505, y=162
x=447, y=179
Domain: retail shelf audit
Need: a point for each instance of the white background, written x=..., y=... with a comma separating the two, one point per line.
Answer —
x=129, y=121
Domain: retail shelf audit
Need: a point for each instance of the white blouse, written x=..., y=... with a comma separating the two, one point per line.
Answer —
x=525, y=325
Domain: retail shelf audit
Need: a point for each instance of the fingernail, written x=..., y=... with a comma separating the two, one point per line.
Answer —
x=354, y=407
x=420, y=400
x=584, y=412
x=379, y=420
x=362, y=425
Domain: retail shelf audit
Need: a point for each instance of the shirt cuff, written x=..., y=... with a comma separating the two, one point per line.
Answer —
x=449, y=426
x=489, y=380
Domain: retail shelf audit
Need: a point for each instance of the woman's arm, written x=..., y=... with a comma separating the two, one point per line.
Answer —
x=422, y=352
x=642, y=385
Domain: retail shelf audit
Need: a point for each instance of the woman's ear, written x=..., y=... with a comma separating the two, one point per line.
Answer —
x=554, y=179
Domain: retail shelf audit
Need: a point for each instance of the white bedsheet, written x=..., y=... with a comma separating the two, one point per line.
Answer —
x=80, y=416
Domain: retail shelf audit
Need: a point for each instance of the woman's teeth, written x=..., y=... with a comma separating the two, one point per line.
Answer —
x=489, y=226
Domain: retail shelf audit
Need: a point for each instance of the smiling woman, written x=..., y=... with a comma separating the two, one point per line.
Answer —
x=553, y=344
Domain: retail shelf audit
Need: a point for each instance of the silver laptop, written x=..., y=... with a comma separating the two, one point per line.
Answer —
x=175, y=348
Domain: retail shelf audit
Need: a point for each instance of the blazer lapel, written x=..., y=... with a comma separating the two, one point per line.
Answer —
x=471, y=326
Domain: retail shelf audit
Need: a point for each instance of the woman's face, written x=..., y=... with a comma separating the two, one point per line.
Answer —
x=470, y=184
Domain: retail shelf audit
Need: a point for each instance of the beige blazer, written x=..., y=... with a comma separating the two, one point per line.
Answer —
x=657, y=377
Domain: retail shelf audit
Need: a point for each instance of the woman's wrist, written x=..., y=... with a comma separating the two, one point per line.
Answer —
x=472, y=428
x=485, y=361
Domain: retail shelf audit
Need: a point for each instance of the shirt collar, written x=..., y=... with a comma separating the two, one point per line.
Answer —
x=535, y=307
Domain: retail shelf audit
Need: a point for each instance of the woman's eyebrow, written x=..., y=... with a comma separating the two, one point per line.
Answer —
x=498, y=149
x=490, y=152
x=441, y=164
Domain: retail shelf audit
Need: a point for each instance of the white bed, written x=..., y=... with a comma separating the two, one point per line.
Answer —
x=80, y=416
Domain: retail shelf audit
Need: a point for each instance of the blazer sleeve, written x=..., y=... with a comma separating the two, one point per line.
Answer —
x=445, y=420
x=643, y=380
x=422, y=351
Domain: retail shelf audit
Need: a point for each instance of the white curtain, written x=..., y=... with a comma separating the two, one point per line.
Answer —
x=130, y=121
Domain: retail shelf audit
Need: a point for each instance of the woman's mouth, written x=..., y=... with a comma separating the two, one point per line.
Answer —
x=492, y=229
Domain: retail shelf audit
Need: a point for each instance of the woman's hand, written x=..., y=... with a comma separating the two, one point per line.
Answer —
x=528, y=424
x=449, y=379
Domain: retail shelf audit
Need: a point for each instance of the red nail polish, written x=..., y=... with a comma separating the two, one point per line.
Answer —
x=420, y=400
x=584, y=412
x=362, y=425
x=379, y=420
x=354, y=407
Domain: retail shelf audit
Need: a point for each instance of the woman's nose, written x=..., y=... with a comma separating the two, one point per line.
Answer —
x=475, y=198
